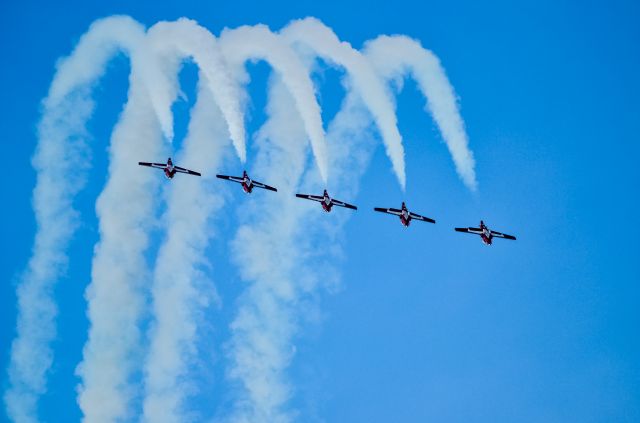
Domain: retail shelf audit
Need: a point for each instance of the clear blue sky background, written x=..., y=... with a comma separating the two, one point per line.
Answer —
x=429, y=325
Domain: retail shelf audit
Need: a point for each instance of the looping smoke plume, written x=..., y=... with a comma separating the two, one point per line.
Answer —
x=280, y=274
x=366, y=82
x=398, y=55
x=174, y=41
x=258, y=42
x=180, y=288
x=61, y=164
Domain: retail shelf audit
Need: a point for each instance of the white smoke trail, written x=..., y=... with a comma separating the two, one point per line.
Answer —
x=285, y=252
x=366, y=82
x=258, y=42
x=61, y=163
x=170, y=42
x=174, y=287
x=185, y=38
x=280, y=259
x=398, y=55
x=262, y=342
x=180, y=288
x=115, y=296
x=264, y=248
x=174, y=330
x=97, y=46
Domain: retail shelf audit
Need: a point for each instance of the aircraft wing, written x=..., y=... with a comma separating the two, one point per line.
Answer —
x=310, y=197
x=501, y=235
x=187, y=171
x=343, y=204
x=264, y=186
x=156, y=165
x=476, y=231
x=230, y=178
x=390, y=211
x=422, y=218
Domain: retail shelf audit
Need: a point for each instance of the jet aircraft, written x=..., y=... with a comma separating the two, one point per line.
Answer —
x=169, y=169
x=405, y=215
x=326, y=201
x=485, y=233
x=247, y=183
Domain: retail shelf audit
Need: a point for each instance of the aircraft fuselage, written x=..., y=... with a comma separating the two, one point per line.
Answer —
x=405, y=217
x=247, y=185
x=486, y=236
x=326, y=203
x=169, y=170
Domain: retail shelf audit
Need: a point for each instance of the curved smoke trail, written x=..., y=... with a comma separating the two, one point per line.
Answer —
x=171, y=42
x=258, y=42
x=398, y=55
x=266, y=253
x=61, y=164
x=171, y=337
x=283, y=268
x=366, y=82
x=179, y=287
x=166, y=364
x=281, y=262
x=185, y=38
x=262, y=343
x=115, y=296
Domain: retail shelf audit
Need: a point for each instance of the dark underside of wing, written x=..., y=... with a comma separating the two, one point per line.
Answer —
x=422, y=218
x=309, y=197
x=343, y=204
x=395, y=212
x=501, y=235
x=230, y=178
x=476, y=231
x=264, y=186
x=156, y=165
x=187, y=171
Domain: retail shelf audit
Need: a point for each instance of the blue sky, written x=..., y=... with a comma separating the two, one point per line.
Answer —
x=426, y=324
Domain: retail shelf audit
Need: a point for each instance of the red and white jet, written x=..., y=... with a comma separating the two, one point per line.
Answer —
x=247, y=183
x=169, y=169
x=326, y=201
x=405, y=215
x=485, y=233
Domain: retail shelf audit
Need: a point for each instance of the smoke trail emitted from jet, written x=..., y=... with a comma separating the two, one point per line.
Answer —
x=284, y=250
x=116, y=296
x=171, y=42
x=61, y=164
x=366, y=82
x=264, y=329
x=258, y=42
x=183, y=38
x=398, y=55
x=265, y=250
x=180, y=288
x=274, y=256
